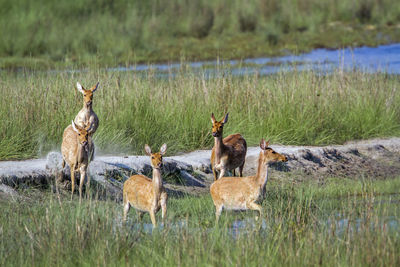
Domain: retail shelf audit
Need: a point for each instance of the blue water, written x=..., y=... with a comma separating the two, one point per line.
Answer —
x=384, y=58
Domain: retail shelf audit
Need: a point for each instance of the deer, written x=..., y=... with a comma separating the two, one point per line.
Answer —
x=231, y=193
x=228, y=153
x=145, y=194
x=86, y=116
x=75, y=149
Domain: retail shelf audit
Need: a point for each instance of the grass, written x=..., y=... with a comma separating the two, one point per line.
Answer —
x=298, y=108
x=45, y=33
x=341, y=222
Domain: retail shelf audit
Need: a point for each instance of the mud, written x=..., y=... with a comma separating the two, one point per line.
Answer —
x=190, y=173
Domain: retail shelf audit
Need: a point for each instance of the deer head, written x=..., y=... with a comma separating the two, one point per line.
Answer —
x=267, y=154
x=218, y=126
x=87, y=94
x=156, y=158
x=83, y=134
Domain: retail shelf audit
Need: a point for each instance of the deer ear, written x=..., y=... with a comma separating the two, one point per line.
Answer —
x=80, y=88
x=267, y=144
x=163, y=149
x=226, y=118
x=94, y=88
x=75, y=127
x=147, y=149
x=213, y=118
x=263, y=145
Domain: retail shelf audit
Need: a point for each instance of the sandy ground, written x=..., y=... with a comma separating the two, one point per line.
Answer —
x=191, y=173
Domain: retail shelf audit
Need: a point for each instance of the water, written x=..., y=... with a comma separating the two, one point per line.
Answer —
x=384, y=58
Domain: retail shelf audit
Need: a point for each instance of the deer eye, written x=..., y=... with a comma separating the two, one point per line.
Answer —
x=273, y=152
x=152, y=157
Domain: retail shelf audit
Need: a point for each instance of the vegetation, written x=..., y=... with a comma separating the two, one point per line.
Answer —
x=342, y=222
x=47, y=33
x=299, y=108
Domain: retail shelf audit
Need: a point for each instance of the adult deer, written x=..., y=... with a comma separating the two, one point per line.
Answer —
x=241, y=194
x=75, y=149
x=228, y=153
x=145, y=194
x=86, y=116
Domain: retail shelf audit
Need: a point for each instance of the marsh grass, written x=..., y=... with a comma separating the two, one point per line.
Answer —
x=47, y=33
x=342, y=222
x=299, y=108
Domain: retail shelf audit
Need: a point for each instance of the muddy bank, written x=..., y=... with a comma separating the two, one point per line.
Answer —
x=191, y=173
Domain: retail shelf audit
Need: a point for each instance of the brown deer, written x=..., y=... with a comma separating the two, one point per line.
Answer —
x=75, y=149
x=86, y=116
x=145, y=194
x=241, y=194
x=228, y=153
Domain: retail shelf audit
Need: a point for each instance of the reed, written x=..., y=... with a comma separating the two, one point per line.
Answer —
x=343, y=222
x=297, y=108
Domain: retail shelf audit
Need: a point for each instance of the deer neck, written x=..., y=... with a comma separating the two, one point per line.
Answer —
x=88, y=108
x=219, y=147
x=82, y=153
x=262, y=173
x=157, y=180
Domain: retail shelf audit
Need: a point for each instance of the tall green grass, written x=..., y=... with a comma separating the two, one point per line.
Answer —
x=299, y=108
x=344, y=222
x=44, y=32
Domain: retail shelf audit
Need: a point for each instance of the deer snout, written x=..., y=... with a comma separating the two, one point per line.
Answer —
x=215, y=134
x=160, y=165
x=284, y=159
x=84, y=143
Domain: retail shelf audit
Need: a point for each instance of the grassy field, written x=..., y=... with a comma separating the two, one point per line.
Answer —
x=340, y=222
x=299, y=108
x=45, y=33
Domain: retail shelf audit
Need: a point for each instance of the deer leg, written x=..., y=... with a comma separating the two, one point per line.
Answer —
x=163, y=199
x=254, y=206
x=218, y=210
x=234, y=172
x=72, y=180
x=91, y=149
x=241, y=170
x=82, y=170
x=153, y=217
x=126, y=210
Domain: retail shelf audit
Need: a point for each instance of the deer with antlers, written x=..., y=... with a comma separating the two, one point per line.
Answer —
x=75, y=149
x=86, y=117
x=145, y=194
x=241, y=194
x=228, y=153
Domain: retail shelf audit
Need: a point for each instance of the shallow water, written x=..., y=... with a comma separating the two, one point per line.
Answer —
x=384, y=58
x=337, y=223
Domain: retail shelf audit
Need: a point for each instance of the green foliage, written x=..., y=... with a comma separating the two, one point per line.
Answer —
x=343, y=222
x=122, y=31
x=299, y=108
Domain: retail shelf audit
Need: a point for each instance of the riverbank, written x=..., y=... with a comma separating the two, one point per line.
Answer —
x=191, y=174
x=51, y=35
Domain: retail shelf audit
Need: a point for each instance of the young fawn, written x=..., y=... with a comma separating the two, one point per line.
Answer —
x=241, y=194
x=144, y=194
x=228, y=153
x=75, y=149
x=86, y=116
